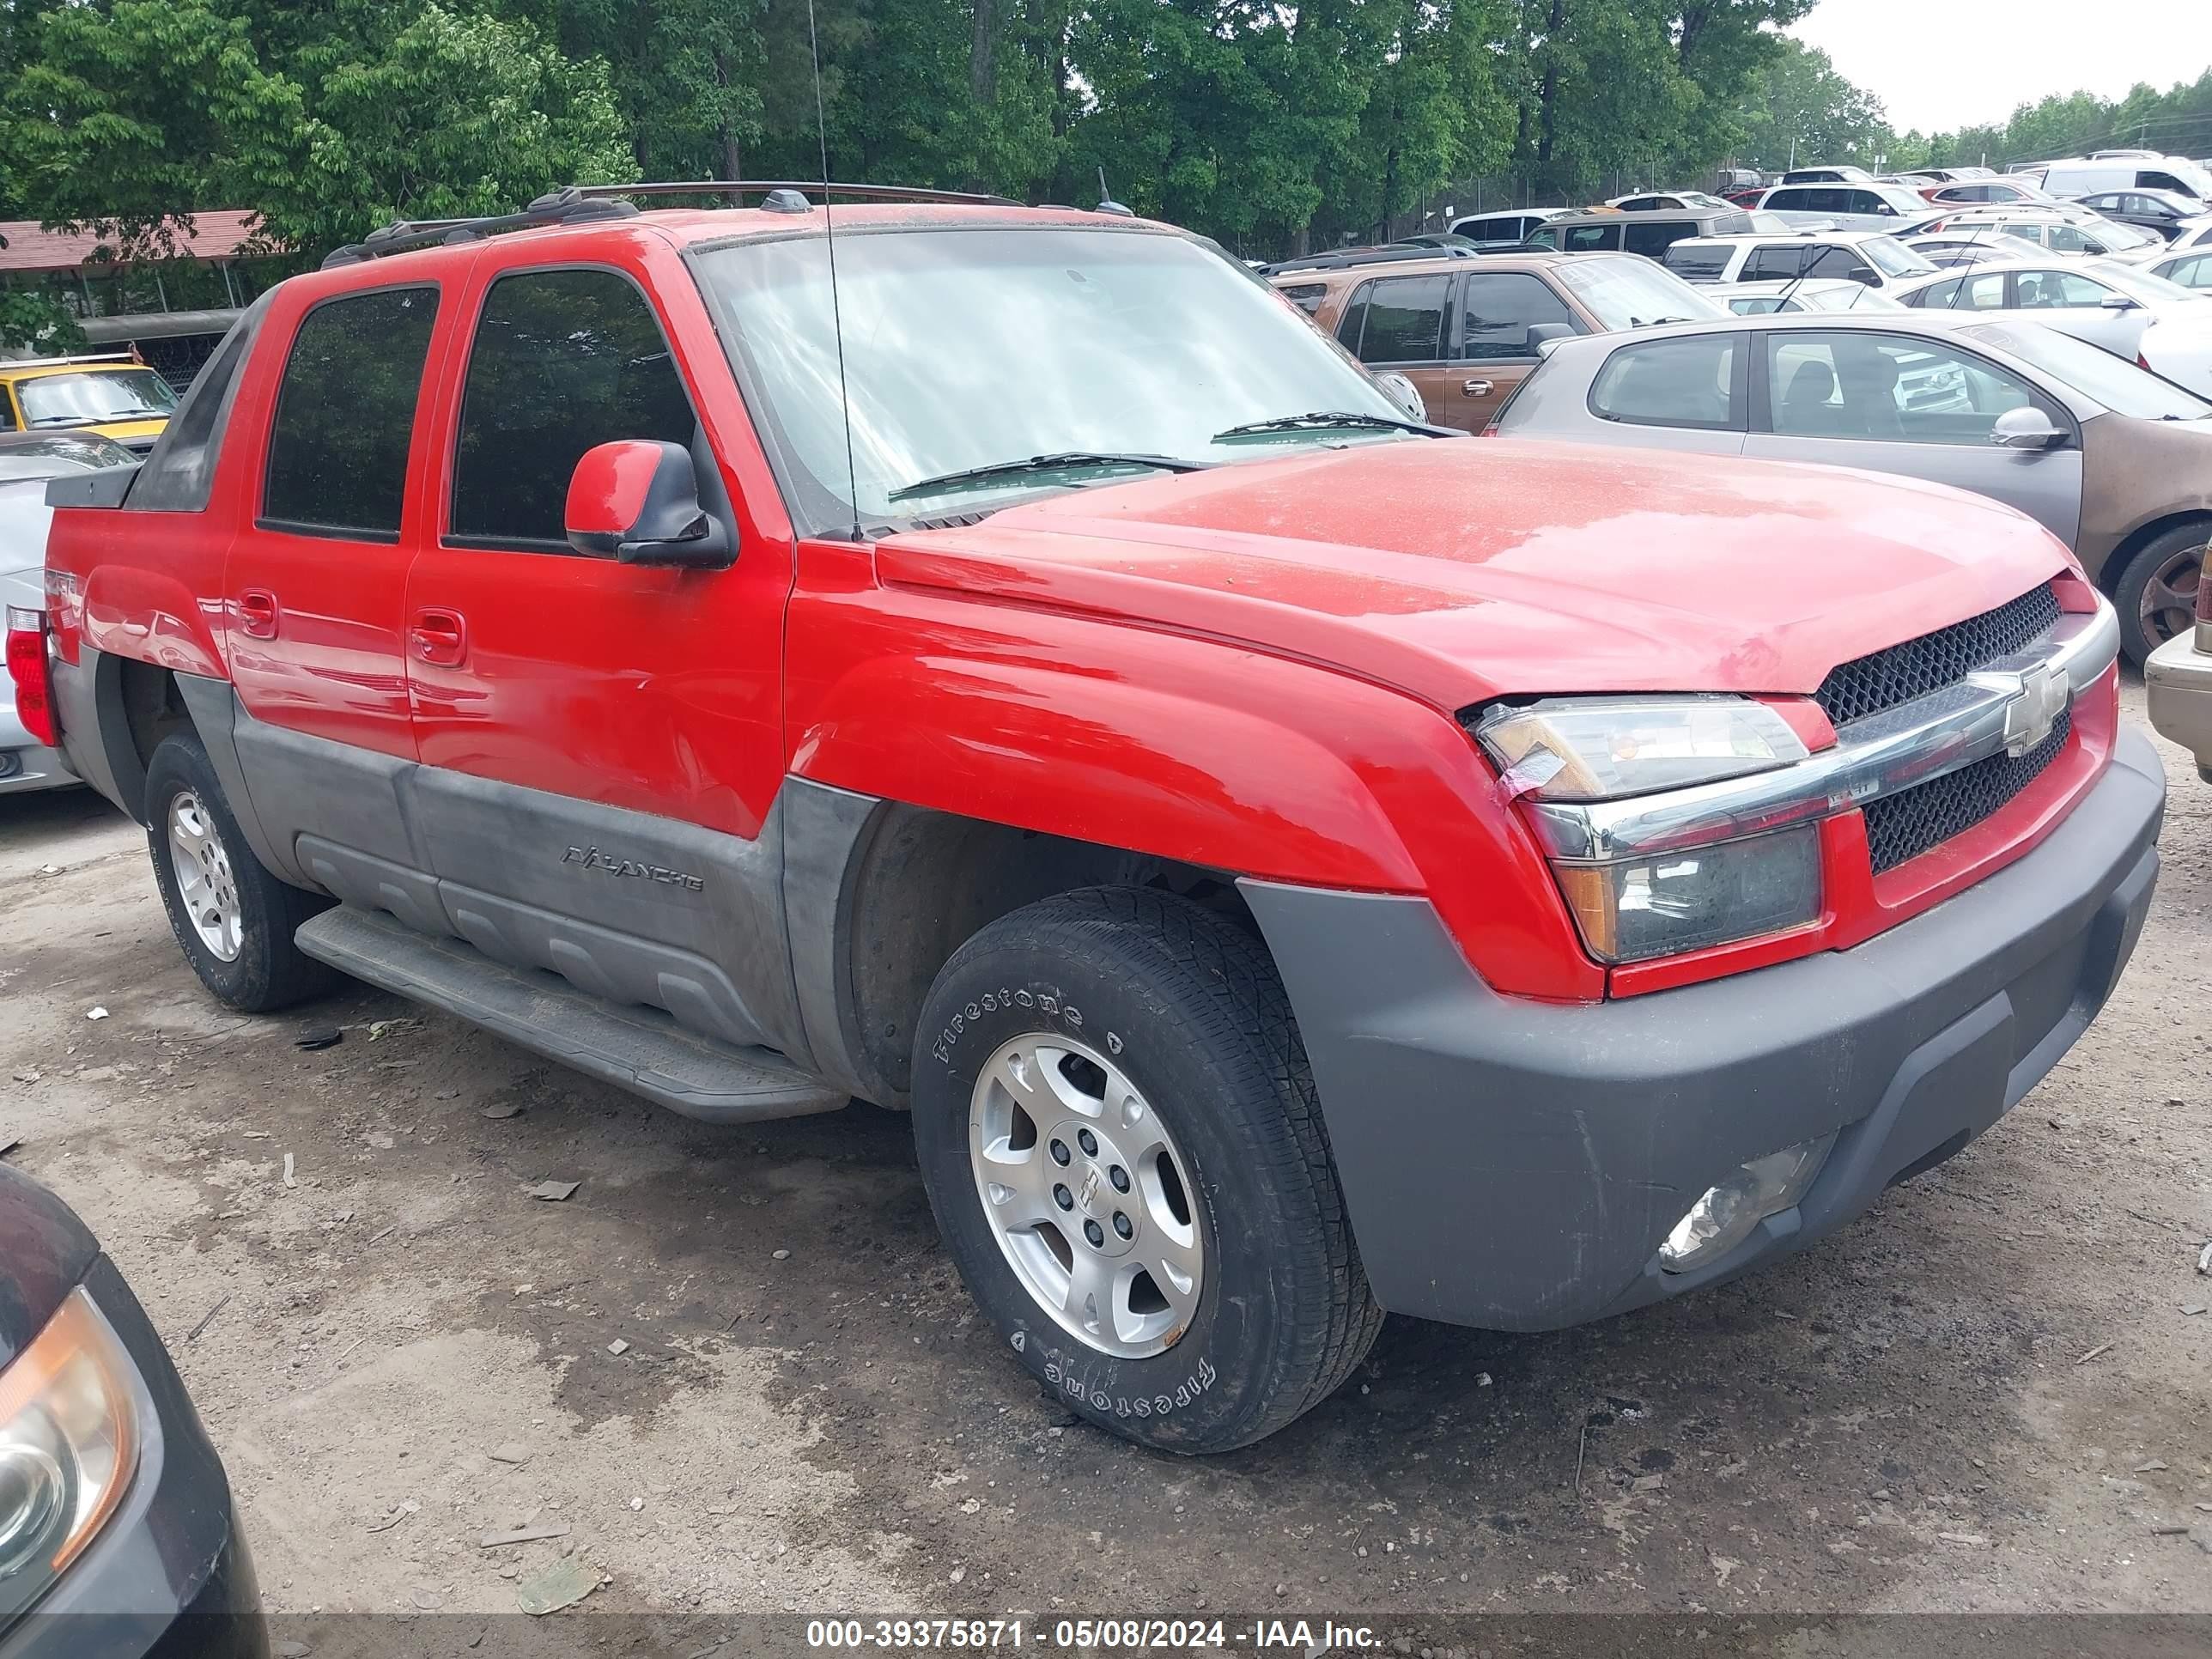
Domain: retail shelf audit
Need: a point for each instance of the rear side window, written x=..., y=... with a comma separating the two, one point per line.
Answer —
x=1398, y=319
x=1592, y=239
x=1652, y=241
x=180, y=473
x=1306, y=296
x=1500, y=308
x=564, y=360
x=1697, y=381
x=345, y=415
x=1697, y=264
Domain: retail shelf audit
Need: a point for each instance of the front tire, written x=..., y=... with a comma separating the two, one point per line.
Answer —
x=2156, y=593
x=1120, y=1139
x=234, y=919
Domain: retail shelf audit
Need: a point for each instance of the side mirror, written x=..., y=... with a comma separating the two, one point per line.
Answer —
x=1542, y=336
x=2026, y=428
x=1402, y=392
x=638, y=501
x=2116, y=302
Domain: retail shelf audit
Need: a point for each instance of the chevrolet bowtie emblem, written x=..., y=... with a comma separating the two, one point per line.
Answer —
x=2038, y=697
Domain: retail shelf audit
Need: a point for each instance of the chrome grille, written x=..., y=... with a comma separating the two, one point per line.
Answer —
x=1904, y=825
x=1867, y=685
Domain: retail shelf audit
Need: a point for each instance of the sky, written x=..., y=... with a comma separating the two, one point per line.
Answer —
x=1940, y=64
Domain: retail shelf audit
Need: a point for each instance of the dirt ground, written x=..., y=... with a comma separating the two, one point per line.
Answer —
x=1991, y=1395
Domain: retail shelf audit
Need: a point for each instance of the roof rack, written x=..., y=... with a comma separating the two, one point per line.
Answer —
x=1366, y=255
x=581, y=204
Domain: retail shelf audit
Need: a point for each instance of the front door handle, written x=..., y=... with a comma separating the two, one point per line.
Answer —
x=438, y=637
x=257, y=614
x=1475, y=388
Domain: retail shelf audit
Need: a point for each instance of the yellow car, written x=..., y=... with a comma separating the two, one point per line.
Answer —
x=114, y=396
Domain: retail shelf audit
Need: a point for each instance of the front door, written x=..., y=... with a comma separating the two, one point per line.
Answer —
x=602, y=743
x=1493, y=353
x=1915, y=405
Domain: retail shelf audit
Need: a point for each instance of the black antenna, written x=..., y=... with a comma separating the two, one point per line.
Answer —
x=830, y=238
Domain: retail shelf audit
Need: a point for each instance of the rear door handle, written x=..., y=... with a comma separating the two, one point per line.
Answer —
x=438, y=637
x=1475, y=388
x=257, y=614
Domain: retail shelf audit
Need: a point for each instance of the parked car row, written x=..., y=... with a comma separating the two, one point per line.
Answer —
x=2114, y=461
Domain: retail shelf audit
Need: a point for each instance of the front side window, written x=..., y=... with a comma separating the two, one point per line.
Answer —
x=1843, y=264
x=563, y=361
x=1781, y=264
x=1499, y=309
x=94, y=397
x=2056, y=290
x=346, y=414
x=1887, y=388
x=1690, y=382
x=1402, y=319
x=967, y=348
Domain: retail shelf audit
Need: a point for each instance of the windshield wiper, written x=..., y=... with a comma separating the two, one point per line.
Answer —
x=1323, y=419
x=1067, y=460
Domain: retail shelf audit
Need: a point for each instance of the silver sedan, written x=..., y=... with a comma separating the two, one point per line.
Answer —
x=2115, y=462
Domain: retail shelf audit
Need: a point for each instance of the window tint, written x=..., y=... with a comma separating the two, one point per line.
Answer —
x=345, y=412
x=1404, y=321
x=1694, y=263
x=1792, y=200
x=2150, y=178
x=1592, y=239
x=2044, y=290
x=1844, y=263
x=563, y=361
x=179, y=473
x=1780, y=263
x=1500, y=308
x=1652, y=241
x=1687, y=382
x=1887, y=388
x=1307, y=296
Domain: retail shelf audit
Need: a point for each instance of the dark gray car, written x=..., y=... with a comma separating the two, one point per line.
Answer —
x=2115, y=462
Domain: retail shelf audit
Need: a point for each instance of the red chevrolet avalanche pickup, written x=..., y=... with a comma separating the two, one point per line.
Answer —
x=1004, y=666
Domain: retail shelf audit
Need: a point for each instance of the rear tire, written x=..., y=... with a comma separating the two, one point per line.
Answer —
x=1196, y=1197
x=2157, y=591
x=234, y=919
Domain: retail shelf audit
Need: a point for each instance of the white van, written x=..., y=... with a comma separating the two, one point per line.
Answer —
x=2085, y=175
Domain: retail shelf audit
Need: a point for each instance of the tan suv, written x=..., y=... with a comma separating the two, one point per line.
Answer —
x=1465, y=332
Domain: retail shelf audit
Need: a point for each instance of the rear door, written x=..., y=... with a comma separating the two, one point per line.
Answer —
x=1402, y=323
x=1913, y=405
x=315, y=584
x=601, y=742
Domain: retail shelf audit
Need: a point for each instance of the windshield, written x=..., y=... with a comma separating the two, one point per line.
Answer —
x=124, y=394
x=1892, y=258
x=1634, y=292
x=2097, y=374
x=2144, y=284
x=1847, y=296
x=966, y=349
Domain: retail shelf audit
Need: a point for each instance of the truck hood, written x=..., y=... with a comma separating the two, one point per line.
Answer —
x=1458, y=570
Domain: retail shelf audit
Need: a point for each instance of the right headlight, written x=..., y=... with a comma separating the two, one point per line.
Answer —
x=69, y=1444
x=1576, y=751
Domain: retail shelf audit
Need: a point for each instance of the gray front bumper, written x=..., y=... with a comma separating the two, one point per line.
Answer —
x=1515, y=1164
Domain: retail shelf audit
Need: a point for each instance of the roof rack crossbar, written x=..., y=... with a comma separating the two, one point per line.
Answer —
x=574, y=204
x=815, y=186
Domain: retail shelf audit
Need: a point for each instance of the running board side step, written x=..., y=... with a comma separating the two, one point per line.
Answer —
x=642, y=1049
